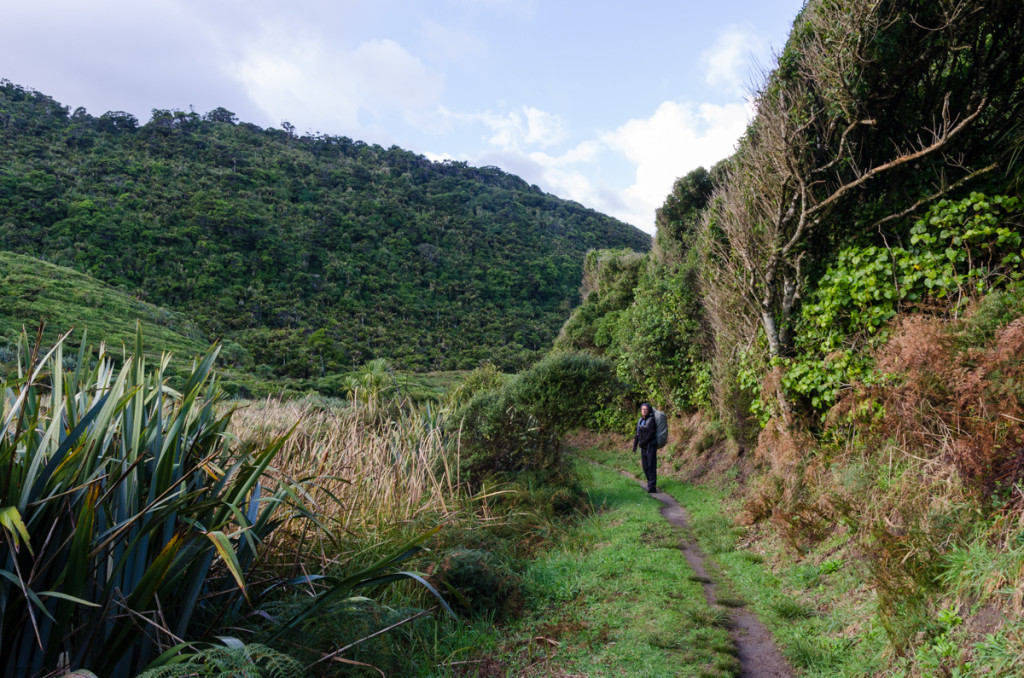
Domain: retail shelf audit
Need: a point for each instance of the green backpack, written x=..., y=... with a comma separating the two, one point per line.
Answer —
x=661, y=420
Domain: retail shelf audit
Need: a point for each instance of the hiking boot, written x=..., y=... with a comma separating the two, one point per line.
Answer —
x=651, y=490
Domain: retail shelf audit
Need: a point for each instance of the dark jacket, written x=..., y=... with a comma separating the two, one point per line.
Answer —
x=646, y=433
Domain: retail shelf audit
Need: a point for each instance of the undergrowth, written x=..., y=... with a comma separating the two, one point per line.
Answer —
x=612, y=596
x=896, y=523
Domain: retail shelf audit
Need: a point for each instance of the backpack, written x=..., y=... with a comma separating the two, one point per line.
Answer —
x=662, y=423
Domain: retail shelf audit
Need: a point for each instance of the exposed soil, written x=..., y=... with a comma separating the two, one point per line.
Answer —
x=756, y=648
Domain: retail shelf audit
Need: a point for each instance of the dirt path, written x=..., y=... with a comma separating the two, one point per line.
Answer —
x=756, y=647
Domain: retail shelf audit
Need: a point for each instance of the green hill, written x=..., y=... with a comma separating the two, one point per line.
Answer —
x=313, y=253
x=34, y=291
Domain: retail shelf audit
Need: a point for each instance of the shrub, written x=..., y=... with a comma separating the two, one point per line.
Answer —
x=479, y=583
x=484, y=378
x=659, y=340
x=519, y=425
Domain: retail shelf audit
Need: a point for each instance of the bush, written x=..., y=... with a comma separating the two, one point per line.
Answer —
x=519, y=425
x=479, y=584
x=487, y=377
x=659, y=340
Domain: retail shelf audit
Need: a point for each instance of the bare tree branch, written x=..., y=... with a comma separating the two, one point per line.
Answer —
x=896, y=162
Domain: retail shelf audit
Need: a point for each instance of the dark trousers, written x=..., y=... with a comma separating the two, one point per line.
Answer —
x=649, y=461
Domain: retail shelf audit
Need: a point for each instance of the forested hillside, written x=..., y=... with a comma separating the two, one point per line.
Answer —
x=835, y=312
x=311, y=253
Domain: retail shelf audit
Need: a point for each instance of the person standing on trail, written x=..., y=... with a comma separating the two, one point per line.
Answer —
x=646, y=439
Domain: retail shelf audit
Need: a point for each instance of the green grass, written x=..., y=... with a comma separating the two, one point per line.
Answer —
x=816, y=612
x=614, y=597
x=999, y=654
x=820, y=615
x=32, y=291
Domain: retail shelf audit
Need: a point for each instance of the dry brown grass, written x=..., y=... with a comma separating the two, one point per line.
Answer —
x=367, y=467
x=700, y=451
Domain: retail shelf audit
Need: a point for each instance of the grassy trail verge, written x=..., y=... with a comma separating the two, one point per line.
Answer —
x=817, y=613
x=613, y=597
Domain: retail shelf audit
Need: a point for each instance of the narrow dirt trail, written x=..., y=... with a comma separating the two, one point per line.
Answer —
x=756, y=648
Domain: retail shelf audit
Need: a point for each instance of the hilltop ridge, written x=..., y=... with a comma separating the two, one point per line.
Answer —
x=312, y=253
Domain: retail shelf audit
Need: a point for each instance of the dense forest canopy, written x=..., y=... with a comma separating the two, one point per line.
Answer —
x=312, y=253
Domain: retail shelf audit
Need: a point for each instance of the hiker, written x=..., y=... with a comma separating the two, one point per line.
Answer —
x=646, y=439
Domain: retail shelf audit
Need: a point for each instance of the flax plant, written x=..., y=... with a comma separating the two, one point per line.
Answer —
x=123, y=507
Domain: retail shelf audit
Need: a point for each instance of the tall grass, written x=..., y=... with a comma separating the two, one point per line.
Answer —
x=369, y=464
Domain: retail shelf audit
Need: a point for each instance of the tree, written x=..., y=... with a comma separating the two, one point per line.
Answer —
x=221, y=114
x=117, y=121
x=866, y=90
x=680, y=214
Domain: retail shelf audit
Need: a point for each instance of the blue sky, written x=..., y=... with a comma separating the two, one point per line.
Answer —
x=605, y=103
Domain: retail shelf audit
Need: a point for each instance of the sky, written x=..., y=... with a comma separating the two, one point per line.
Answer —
x=605, y=103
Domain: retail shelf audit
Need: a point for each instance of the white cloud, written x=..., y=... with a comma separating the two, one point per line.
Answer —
x=512, y=131
x=543, y=128
x=584, y=152
x=677, y=138
x=554, y=173
x=438, y=157
x=727, y=61
x=284, y=73
x=532, y=127
x=574, y=185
